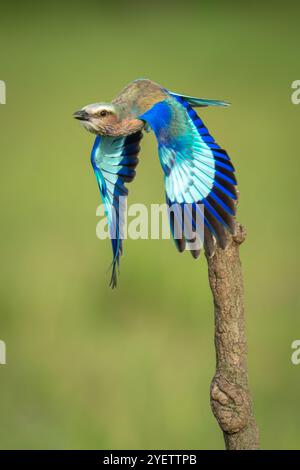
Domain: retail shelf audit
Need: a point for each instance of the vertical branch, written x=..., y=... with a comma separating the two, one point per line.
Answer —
x=230, y=397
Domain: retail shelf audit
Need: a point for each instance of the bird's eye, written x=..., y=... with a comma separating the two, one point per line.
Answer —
x=103, y=113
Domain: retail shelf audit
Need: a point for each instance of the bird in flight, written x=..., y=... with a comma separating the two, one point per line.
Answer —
x=197, y=172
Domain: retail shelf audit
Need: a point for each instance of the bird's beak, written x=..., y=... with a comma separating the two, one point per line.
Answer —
x=81, y=115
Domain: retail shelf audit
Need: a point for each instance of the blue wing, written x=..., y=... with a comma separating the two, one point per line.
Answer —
x=114, y=161
x=198, y=173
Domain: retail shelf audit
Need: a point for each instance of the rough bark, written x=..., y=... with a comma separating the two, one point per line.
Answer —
x=230, y=397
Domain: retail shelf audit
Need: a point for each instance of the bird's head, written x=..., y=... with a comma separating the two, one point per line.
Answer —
x=98, y=118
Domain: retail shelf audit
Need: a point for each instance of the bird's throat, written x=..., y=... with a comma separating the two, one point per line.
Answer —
x=125, y=127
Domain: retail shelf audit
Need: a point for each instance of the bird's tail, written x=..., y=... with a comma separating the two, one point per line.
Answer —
x=115, y=265
x=200, y=102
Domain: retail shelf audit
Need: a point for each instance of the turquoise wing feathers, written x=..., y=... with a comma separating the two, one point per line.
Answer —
x=197, y=171
x=114, y=161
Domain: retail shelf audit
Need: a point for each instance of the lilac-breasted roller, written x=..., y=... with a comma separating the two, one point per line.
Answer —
x=197, y=172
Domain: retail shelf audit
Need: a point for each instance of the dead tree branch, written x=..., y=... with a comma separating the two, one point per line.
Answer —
x=230, y=397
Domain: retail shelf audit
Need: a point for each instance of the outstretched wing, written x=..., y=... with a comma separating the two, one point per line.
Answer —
x=114, y=160
x=198, y=173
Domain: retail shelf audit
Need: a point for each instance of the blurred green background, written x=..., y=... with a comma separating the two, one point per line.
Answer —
x=88, y=367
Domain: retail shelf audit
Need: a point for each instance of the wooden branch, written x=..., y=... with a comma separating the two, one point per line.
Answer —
x=230, y=397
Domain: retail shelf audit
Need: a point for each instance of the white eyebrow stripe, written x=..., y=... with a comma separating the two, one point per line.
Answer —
x=98, y=107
